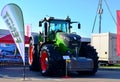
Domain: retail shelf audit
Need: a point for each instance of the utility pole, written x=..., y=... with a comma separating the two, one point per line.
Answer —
x=100, y=11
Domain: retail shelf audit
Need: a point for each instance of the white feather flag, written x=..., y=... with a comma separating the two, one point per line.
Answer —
x=13, y=17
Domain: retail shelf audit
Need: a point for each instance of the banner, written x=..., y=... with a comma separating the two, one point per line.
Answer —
x=118, y=32
x=13, y=17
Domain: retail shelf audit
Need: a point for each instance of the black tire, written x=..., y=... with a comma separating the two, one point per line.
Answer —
x=89, y=52
x=51, y=61
x=33, y=57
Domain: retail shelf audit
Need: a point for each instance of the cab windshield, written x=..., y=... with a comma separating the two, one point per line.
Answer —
x=59, y=26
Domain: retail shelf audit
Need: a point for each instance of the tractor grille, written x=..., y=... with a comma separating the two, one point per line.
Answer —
x=73, y=44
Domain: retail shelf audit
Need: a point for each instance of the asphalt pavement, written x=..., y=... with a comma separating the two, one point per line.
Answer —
x=15, y=74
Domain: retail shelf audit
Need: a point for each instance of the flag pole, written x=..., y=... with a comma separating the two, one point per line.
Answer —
x=24, y=56
x=23, y=70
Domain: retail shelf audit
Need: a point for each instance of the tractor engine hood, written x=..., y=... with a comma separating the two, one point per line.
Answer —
x=68, y=41
x=71, y=37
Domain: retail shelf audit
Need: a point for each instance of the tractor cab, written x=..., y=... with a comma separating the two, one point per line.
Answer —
x=52, y=26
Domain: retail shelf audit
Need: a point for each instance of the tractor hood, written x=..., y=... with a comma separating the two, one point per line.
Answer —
x=70, y=37
x=68, y=41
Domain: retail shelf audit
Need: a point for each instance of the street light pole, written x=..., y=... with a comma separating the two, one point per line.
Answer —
x=100, y=11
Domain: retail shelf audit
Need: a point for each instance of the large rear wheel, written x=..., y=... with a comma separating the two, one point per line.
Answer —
x=33, y=56
x=30, y=57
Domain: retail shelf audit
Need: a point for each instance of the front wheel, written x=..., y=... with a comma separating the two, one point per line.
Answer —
x=50, y=60
x=44, y=62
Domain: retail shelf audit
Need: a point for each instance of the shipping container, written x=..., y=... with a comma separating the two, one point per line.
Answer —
x=105, y=45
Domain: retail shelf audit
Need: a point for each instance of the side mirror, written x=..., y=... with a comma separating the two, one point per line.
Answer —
x=40, y=23
x=79, y=26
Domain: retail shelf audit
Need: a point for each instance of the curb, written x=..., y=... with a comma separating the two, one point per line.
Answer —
x=110, y=69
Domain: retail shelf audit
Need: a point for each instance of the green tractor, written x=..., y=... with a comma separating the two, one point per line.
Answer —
x=51, y=49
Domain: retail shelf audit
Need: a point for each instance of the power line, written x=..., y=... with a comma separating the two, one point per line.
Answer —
x=110, y=11
x=116, y=23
